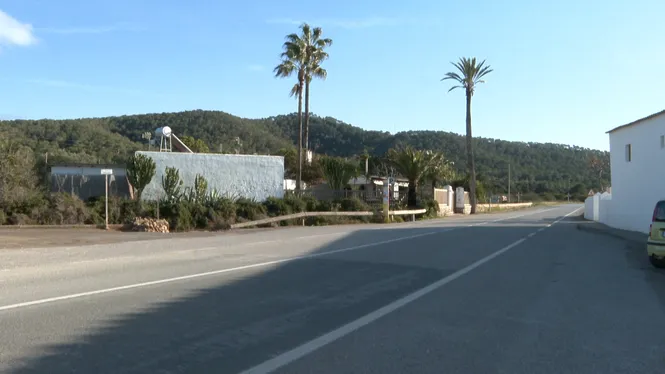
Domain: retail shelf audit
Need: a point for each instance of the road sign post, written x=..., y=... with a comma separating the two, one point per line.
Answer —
x=386, y=201
x=106, y=173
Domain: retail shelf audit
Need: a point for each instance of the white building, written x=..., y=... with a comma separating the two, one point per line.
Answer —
x=637, y=159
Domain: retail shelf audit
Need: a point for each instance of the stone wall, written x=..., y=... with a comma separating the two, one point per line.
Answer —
x=503, y=206
x=250, y=176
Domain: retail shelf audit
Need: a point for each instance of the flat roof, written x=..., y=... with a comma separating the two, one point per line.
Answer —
x=637, y=122
x=100, y=166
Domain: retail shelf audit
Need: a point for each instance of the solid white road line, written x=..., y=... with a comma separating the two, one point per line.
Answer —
x=239, y=268
x=313, y=345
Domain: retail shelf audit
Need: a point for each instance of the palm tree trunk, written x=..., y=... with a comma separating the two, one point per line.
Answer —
x=306, y=137
x=299, y=175
x=469, y=155
x=412, y=198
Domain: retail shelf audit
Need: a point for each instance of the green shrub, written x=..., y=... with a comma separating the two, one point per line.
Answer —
x=311, y=203
x=199, y=214
x=324, y=206
x=296, y=204
x=276, y=207
x=19, y=219
x=33, y=207
x=531, y=197
x=225, y=208
x=398, y=219
x=121, y=210
x=66, y=209
x=353, y=204
x=3, y=217
x=250, y=210
x=432, y=207
x=182, y=219
x=218, y=224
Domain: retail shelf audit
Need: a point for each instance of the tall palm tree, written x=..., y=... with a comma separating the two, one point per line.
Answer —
x=468, y=76
x=294, y=60
x=315, y=55
x=413, y=165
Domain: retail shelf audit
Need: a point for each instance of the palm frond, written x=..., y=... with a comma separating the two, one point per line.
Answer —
x=293, y=38
x=454, y=76
x=295, y=91
x=471, y=72
x=285, y=69
x=306, y=31
x=316, y=33
x=318, y=72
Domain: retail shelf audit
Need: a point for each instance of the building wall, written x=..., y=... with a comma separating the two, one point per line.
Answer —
x=636, y=185
x=250, y=176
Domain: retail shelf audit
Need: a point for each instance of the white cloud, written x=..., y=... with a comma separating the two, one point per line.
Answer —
x=88, y=29
x=256, y=67
x=358, y=23
x=13, y=32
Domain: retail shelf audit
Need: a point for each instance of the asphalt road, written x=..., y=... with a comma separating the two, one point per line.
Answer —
x=519, y=292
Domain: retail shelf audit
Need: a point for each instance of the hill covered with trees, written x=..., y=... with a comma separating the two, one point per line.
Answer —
x=541, y=168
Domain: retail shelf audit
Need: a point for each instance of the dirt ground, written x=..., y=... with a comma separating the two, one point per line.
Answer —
x=13, y=238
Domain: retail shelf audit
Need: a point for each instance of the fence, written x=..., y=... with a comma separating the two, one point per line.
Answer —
x=89, y=186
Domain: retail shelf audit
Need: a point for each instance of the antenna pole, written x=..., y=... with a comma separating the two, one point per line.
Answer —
x=106, y=203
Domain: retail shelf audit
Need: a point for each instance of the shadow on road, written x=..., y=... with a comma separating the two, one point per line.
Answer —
x=248, y=318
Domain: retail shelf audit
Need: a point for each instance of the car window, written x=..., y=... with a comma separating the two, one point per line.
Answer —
x=659, y=214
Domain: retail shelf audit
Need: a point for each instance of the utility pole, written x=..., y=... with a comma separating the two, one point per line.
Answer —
x=568, y=190
x=509, y=183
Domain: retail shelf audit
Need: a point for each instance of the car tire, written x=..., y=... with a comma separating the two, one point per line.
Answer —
x=657, y=262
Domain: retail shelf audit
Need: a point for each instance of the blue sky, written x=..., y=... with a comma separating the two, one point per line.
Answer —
x=564, y=71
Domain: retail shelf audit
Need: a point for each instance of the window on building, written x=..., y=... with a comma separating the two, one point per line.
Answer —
x=662, y=141
x=629, y=152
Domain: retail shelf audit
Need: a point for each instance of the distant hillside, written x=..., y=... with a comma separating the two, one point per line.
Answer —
x=535, y=167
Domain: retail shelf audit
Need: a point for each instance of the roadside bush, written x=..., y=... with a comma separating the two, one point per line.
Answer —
x=311, y=203
x=218, y=223
x=532, y=197
x=178, y=215
x=33, y=207
x=432, y=207
x=276, y=207
x=250, y=210
x=3, y=217
x=398, y=219
x=324, y=206
x=199, y=214
x=121, y=210
x=19, y=219
x=65, y=209
x=353, y=204
x=295, y=203
x=225, y=208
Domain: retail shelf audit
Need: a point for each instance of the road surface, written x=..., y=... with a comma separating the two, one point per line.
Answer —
x=518, y=292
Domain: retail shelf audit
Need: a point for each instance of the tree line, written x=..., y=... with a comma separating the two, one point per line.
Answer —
x=544, y=169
